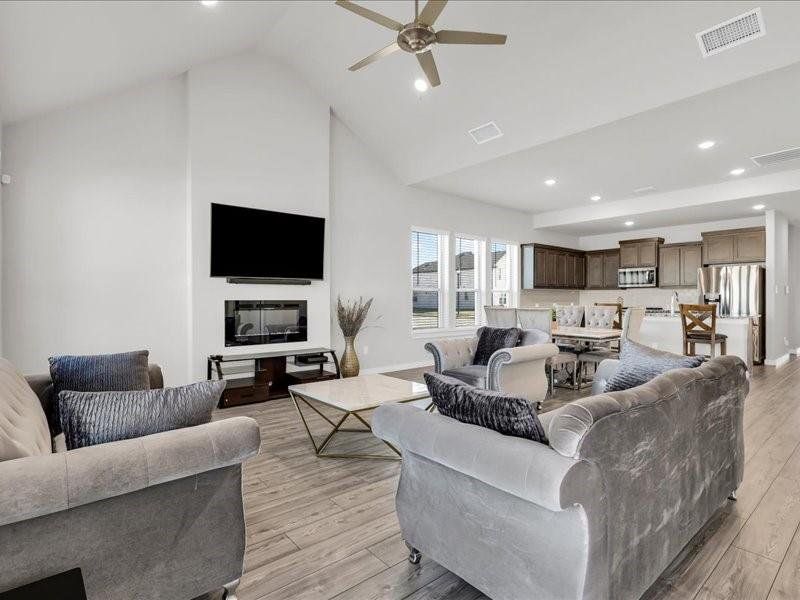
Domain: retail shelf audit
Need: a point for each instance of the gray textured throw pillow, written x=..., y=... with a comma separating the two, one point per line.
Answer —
x=96, y=373
x=501, y=412
x=639, y=364
x=492, y=339
x=90, y=418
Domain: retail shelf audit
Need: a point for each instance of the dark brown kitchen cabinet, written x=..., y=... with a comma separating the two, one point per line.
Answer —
x=734, y=246
x=552, y=267
x=639, y=253
x=678, y=264
x=601, y=269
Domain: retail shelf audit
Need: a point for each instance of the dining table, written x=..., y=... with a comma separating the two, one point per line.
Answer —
x=584, y=338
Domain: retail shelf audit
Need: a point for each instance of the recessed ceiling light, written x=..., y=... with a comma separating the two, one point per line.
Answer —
x=628, y=223
x=209, y=3
x=737, y=171
x=706, y=145
x=550, y=182
x=595, y=198
x=759, y=207
x=421, y=85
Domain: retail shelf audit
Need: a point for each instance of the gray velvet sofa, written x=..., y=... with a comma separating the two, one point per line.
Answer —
x=154, y=517
x=628, y=478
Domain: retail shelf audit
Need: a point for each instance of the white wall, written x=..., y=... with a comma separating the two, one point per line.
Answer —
x=94, y=236
x=258, y=137
x=372, y=214
x=777, y=292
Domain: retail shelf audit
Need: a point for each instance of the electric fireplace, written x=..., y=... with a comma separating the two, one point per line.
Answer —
x=252, y=322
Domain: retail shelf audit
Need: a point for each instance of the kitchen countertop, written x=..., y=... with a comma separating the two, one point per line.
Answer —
x=668, y=317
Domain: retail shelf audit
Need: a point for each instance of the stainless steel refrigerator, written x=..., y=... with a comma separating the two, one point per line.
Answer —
x=738, y=290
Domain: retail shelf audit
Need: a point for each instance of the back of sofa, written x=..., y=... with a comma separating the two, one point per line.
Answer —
x=670, y=452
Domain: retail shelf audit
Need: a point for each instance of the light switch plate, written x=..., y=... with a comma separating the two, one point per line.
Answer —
x=5, y=179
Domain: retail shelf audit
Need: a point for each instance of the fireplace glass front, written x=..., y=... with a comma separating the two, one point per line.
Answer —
x=251, y=322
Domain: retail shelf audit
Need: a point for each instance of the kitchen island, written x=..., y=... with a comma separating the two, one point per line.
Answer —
x=664, y=332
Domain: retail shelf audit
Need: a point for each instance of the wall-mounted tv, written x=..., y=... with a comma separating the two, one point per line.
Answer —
x=248, y=242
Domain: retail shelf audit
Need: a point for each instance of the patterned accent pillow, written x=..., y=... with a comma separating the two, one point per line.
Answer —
x=99, y=373
x=639, y=364
x=90, y=418
x=493, y=339
x=501, y=412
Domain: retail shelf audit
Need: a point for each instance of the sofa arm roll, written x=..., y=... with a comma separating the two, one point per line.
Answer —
x=452, y=353
x=526, y=469
x=40, y=485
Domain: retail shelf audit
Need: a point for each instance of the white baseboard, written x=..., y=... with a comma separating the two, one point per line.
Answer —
x=403, y=367
x=778, y=362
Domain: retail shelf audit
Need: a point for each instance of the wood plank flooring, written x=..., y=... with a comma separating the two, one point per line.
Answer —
x=322, y=529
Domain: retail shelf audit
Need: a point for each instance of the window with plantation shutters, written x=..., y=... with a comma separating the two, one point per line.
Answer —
x=500, y=257
x=467, y=285
x=426, y=280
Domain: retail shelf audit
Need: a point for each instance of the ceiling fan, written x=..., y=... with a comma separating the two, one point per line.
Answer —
x=418, y=36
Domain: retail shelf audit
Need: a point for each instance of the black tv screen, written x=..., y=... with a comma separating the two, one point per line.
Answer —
x=247, y=242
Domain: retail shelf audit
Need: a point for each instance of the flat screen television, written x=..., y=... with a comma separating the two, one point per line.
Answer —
x=248, y=242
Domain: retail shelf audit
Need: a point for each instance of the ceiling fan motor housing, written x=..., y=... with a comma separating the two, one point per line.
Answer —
x=416, y=37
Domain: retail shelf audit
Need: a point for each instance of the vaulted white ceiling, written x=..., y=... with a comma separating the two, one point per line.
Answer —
x=603, y=96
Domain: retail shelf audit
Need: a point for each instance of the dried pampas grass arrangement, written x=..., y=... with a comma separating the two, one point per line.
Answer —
x=352, y=314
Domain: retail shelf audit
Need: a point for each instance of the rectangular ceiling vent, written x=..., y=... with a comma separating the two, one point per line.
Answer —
x=775, y=158
x=485, y=133
x=733, y=32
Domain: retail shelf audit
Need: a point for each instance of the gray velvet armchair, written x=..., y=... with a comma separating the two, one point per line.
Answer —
x=154, y=517
x=519, y=371
x=627, y=479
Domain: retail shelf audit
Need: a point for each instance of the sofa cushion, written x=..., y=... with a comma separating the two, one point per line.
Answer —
x=23, y=425
x=474, y=375
x=501, y=412
x=99, y=373
x=639, y=364
x=90, y=418
x=493, y=339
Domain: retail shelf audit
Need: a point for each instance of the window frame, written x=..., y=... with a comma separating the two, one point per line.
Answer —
x=512, y=256
x=478, y=279
x=443, y=242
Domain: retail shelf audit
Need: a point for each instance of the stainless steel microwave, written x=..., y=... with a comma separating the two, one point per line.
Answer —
x=637, y=277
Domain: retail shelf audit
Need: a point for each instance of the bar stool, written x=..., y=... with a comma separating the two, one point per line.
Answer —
x=697, y=329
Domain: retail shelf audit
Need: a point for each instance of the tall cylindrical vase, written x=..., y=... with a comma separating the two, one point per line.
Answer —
x=349, y=363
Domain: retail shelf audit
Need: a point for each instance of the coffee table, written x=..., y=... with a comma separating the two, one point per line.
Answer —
x=351, y=397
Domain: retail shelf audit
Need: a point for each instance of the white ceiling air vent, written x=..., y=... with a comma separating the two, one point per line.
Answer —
x=485, y=133
x=774, y=158
x=733, y=32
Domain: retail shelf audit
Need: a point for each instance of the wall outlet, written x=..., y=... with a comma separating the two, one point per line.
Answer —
x=365, y=350
x=786, y=342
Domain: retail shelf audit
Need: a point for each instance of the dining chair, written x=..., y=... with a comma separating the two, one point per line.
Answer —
x=602, y=317
x=618, y=320
x=535, y=318
x=699, y=326
x=631, y=325
x=500, y=316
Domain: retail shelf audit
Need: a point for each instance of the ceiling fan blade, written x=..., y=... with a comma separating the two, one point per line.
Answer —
x=431, y=11
x=370, y=14
x=375, y=56
x=469, y=37
x=429, y=67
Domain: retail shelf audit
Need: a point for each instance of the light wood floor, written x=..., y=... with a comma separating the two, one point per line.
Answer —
x=321, y=529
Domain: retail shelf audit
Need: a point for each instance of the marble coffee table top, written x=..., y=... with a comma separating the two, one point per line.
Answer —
x=361, y=393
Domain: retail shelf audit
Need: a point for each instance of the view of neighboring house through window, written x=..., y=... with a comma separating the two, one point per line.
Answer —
x=501, y=274
x=467, y=266
x=426, y=280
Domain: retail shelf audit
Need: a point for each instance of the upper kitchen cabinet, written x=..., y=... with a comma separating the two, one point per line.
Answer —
x=639, y=253
x=678, y=264
x=601, y=269
x=552, y=267
x=734, y=246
